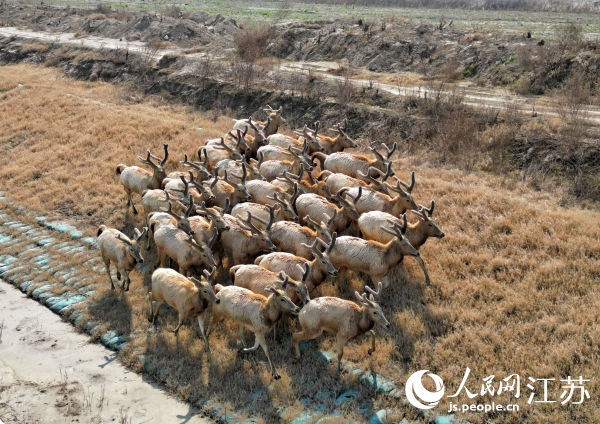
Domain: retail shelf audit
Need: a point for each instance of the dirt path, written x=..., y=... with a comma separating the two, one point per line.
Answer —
x=50, y=374
x=479, y=97
x=490, y=98
x=87, y=41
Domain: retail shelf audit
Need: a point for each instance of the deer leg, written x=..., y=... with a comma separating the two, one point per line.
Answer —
x=179, y=323
x=107, y=265
x=214, y=320
x=341, y=342
x=125, y=286
x=242, y=336
x=420, y=261
x=151, y=308
x=372, y=334
x=201, y=325
x=304, y=335
x=162, y=255
x=158, y=305
x=263, y=343
x=256, y=344
x=133, y=209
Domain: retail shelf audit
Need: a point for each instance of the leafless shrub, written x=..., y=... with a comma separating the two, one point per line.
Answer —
x=172, y=11
x=103, y=9
x=572, y=99
x=243, y=73
x=250, y=43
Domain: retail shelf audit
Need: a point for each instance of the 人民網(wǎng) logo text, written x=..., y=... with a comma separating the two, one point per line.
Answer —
x=418, y=395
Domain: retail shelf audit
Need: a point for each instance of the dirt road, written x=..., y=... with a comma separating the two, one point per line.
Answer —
x=479, y=97
x=50, y=374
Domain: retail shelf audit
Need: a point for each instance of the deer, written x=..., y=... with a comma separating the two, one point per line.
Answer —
x=244, y=240
x=225, y=190
x=190, y=297
x=233, y=141
x=370, y=225
x=316, y=207
x=351, y=164
x=373, y=258
x=215, y=153
x=294, y=238
x=234, y=169
x=309, y=185
x=253, y=311
x=183, y=249
x=136, y=180
x=205, y=224
x=333, y=144
x=285, y=141
x=257, y=279
x=260, y=213
x=265, y=193
x=116, y=247
x=371, y=200
x=269, y=127
x=180, y=188
x=318, y=269
x=271, y=169
x=180, y=221
x=346, y=319
x=158, y=200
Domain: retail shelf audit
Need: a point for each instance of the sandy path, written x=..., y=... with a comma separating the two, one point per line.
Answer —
x=50, y=374
x=483, y=98
x=479, y=97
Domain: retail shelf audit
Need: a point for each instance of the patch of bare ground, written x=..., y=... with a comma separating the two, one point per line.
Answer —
x=514, y=280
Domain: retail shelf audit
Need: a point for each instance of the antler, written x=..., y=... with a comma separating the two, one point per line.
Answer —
x=305, y=271
x=376, y=294
x=148, y=160
x=209, y=275
x=412, y=182
x=124, y=240
x=430, y=210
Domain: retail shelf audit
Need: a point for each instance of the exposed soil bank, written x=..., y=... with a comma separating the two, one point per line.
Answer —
x=50, y=374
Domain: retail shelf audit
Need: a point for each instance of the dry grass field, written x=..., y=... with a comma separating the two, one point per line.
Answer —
x=515, y=280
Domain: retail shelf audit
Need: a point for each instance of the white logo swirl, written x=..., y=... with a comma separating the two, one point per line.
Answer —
x=414, y=386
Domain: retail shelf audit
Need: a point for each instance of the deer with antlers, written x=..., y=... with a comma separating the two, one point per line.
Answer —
x=244, y=240
x=182, y=248
x=137, y=180
x=374, y=258
x=116, y=247
x=170, y=217
x=294, y=238
x=269, y=127
x=318, y=269
x=346, y=319
x=336, y=181
x=417, y=233
x=213, y=154
x=332, y=144
x=351, y=164
x=191, y=297
x=257, y=279
x=226, y=190
x=367, y=200
x=315, y=207
x=253, y=311
x=285, y=141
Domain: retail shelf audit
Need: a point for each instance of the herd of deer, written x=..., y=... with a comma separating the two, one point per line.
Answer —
x=255, y=190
